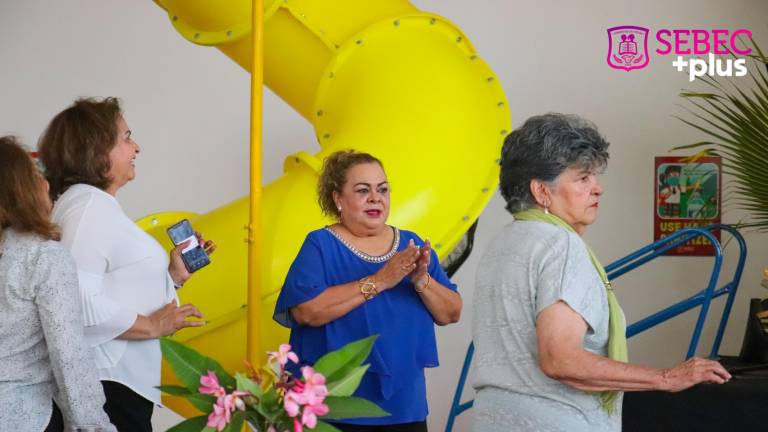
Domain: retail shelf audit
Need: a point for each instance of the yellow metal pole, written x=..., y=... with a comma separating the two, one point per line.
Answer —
x=253, y=339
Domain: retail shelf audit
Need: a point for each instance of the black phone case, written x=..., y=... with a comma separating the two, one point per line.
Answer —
x=190, y=266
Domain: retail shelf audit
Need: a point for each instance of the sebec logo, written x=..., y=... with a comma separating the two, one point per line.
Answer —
x=628, y=50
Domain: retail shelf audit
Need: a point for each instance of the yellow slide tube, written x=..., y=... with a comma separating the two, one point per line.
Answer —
x=378, y=76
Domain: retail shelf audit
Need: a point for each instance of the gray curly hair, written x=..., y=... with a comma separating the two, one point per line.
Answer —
x=544, y=147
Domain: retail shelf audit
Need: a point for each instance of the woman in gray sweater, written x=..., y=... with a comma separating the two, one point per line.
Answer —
x=550, y=335
x=43, y=356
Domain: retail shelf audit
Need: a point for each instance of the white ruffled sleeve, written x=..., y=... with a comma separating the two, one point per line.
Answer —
x=170, y=290
x=89, y=232
x=104, y=318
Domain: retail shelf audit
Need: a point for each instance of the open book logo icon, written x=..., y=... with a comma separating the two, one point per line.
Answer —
x=627, y=47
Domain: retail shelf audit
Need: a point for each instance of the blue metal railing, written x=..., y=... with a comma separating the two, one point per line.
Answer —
x=630, y=262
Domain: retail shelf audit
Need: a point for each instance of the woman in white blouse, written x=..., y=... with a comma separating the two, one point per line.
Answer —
x=127, y=283
x=42, y=349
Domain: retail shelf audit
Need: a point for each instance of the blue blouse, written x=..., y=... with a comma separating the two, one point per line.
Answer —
x=406, y=343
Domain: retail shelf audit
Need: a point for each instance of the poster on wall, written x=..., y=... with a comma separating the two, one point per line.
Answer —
x=686, y=195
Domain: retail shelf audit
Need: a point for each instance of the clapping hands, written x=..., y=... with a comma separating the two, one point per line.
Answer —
x=412, y=261
x=420, y=275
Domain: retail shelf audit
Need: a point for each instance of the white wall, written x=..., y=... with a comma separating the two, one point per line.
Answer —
x=188, y=107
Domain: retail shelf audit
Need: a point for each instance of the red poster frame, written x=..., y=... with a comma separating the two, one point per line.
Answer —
x=685, y=196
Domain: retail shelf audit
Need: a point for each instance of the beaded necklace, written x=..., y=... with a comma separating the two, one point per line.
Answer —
x=364, y=256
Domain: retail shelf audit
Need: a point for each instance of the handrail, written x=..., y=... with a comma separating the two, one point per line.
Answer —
x=702, y=298
x=456, y=406
x=636, y=259
x=731, y=287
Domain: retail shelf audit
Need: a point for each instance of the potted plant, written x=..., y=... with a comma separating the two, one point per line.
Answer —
x=270, y=399
x=734, y=114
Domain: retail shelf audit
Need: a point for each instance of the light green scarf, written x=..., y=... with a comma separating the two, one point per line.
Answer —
x=617, y=337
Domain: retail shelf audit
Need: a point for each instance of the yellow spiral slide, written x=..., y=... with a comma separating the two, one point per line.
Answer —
x=378, y=76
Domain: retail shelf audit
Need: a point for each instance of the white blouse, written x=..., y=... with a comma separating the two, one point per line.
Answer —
x=123, y=272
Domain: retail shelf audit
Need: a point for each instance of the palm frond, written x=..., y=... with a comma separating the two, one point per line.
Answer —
x=736, y=120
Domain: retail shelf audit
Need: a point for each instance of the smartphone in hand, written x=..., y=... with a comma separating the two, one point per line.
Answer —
x=193, y=255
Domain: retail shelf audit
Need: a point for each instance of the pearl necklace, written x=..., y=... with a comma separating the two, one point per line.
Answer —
x=364, y=256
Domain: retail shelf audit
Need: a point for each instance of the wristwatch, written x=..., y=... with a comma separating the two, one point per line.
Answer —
x=367, y=288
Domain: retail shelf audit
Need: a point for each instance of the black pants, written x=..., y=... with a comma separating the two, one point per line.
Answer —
x=401, y=427
x=57, y=421
x=127, y=410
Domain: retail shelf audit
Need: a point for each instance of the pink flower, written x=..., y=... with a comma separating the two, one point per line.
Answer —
x=283, y=354
x=210, y=385
x=297, y=425
x=306, y=398
x=225, y=403
x=312, y=378
x=314, y=386
x=309, y=416
x=232, y=401
x=292, y=402
x=219, y=417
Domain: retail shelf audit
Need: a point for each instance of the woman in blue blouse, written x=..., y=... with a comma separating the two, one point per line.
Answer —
x=361, y=277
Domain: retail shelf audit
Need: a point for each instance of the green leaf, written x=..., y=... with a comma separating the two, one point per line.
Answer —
x=337, y=364
x=194, y=424
x=269, y=406
x=236, y=423
x=347, y=385
x=692, y=94
x=351, y=407
x=189, y=365
x=255, y=421
x=271, y=397
x=201, y=401
x=322, y=426
x=174, y=390
x=735, y=114
x=247, y=384
x=695, y=145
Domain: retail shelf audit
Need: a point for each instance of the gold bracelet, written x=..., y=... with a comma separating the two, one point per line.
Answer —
x=367, y=288
x=415, y=288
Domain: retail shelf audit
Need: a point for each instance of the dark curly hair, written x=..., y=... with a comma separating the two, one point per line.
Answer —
x=542, y=149
x=334, y=176
x=75, y=147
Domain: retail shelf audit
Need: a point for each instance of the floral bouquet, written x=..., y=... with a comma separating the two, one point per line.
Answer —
x=271, y=399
